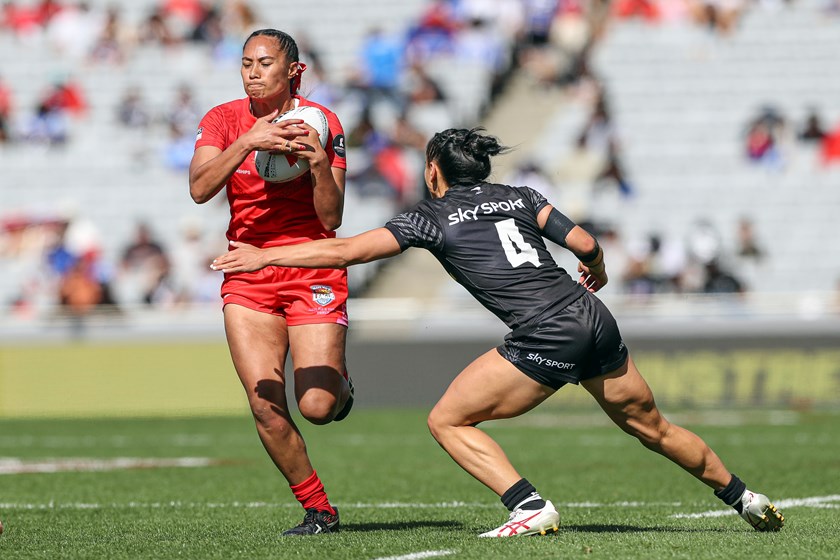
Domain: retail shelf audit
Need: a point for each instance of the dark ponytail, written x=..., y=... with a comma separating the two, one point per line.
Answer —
x=462, y=155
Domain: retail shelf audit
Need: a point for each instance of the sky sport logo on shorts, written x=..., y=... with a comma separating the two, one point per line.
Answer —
x=322, y=295
x=547, y=362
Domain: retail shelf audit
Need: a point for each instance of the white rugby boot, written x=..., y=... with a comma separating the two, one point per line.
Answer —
x=524, y=522
x=759, y=512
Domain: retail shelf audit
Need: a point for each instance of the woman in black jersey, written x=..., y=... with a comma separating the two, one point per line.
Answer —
x=489, y=238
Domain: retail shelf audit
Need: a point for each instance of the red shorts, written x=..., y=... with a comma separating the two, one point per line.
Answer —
x=304, y=296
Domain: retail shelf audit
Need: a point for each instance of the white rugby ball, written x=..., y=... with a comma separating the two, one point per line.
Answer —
x=281, y=167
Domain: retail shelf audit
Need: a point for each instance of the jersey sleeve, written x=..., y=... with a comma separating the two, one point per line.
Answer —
x=536, y=200
x=413, y=229
x=212, y=130
x=336, y=151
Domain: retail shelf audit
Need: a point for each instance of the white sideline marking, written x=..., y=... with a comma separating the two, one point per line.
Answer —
x=418, y=555
x=11, y=465
x=828, y=502
x=825, y=502
x=358, y=505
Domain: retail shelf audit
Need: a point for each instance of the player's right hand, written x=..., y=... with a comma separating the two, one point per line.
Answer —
x=593, y=279
x=240, y=258
x=279, y=137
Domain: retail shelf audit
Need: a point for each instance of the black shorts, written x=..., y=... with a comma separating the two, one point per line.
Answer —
x=580, y=342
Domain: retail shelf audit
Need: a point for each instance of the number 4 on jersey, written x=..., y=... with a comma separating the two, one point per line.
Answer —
x=517, y=250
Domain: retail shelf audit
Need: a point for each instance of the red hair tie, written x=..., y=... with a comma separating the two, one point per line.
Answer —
x=296, y=77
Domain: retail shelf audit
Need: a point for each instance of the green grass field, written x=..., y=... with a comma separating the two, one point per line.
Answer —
x=401, y=496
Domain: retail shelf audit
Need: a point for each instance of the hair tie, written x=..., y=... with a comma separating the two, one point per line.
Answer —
x=296, y=78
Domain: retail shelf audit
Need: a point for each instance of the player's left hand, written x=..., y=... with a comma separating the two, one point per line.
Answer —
x=241, y=258
x=308, y=144
x=592, y=280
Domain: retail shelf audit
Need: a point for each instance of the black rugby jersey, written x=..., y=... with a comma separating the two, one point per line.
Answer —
x=487, y=238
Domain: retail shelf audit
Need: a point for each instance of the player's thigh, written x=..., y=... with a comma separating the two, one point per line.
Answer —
x=489, y=388
x=318, y=356
x=258, y=345
x=625, y=396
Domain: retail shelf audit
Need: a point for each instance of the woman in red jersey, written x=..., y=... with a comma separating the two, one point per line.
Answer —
x=273, y=311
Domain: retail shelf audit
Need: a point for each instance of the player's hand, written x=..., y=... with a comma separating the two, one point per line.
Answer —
x=279, y=137
x=592, y=280
x=310, y=144
x=241, y=258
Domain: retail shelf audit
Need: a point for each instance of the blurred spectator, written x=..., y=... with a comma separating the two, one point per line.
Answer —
x=74, y=30
x=645, y=9
x=599, y=137
x=379, y=68
x=721, y=281
x=748, y=247
x=184, y=114
x=667, y=263
x=406, y=135
x=812, y=130
x=66, y=95
x=5, y=111
x=239, y=18
x=506, y=17
x=718, y=16
x=192, y=278
x=599, y=130
x=183, y=15
x=20, y=19
x=190, y=11
x=478, y=44
x=618, y=257
x=760, y=142
x=115, y=39
x=209, y=28
x=46, y=10
x=704, y=242
x=134, y=115
x=58, y=256
x=132, y=111
x=144, y=268
x=178, y=149
x=830, y=148
x=79, y=290
x=764, y=138
x=46, y=126
x=637, y=279
x=539, y=16
x=156, y=30
x=613, y=172
x=420, y=88
x=434, y=32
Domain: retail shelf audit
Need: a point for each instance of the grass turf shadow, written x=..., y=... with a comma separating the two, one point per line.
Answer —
x=399, y=526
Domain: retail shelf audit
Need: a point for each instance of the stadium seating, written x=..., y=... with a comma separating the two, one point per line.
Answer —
x=100, y=174
x=681, y=101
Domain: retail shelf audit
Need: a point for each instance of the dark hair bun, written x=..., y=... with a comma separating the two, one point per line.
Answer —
x=463, y=155
x=481, y=146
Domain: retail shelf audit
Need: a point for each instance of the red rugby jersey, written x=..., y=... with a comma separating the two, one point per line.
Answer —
x=262, y=213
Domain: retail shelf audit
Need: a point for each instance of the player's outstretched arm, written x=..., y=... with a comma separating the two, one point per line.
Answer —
x=564, y=232
x=324, y=253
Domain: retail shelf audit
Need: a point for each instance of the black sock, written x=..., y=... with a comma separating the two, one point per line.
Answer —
x=524, y=495
x=731, y=495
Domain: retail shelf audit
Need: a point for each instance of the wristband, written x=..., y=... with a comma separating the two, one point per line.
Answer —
x=596, y=254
